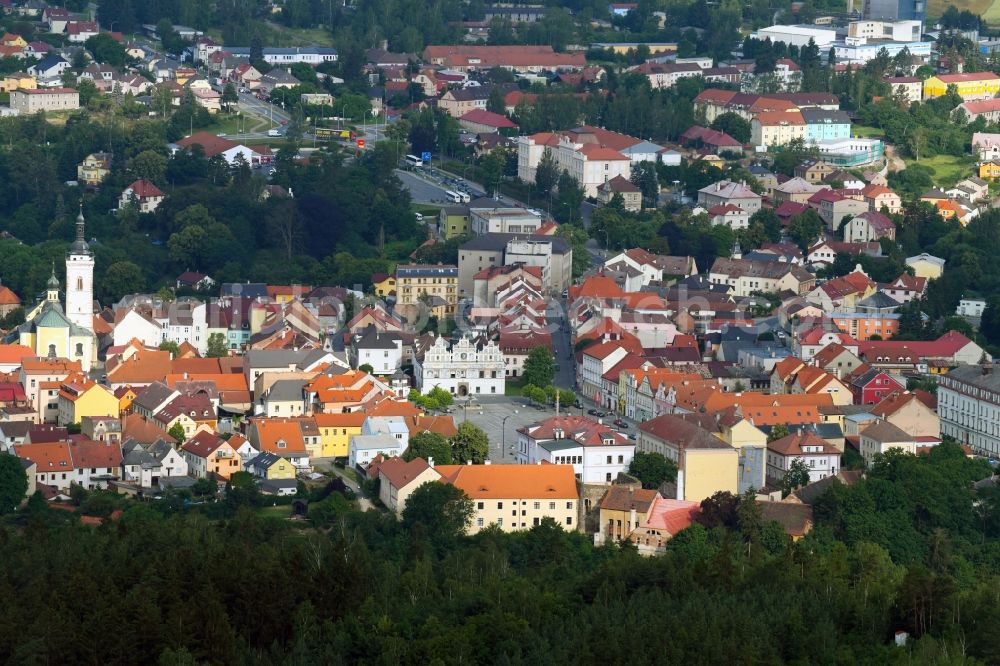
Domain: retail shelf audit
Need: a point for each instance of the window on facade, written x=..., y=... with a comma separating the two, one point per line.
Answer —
x=479, y=522
x=499, y=505
x=552, y=506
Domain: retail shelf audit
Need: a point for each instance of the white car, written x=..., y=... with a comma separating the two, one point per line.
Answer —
x=274, y=132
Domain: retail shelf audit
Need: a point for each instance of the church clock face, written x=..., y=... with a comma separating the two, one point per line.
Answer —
x=464, y=356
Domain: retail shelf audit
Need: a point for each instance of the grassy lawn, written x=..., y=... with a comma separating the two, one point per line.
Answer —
x=426, y=209
x=514, y=386
x=866, y=132
x=948, y=169
x=275, y=511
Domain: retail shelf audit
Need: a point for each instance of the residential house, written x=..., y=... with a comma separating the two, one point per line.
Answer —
x=878, y=438
x=913, y=412
x=926, y=266
x=970, y=86
x=597, y=452
x=968, y=403
x=822, y=458
x=145, y=195
x=705, y=463
x=209, y=456
x=517, y=497
x=777, y=128
x=630, y=194
x=399, y=478
x=727, y=192
x=270, y=466
x=94, y=169
x=870, y=226
x=881, y=197
x=27, y=102
x=80, y=398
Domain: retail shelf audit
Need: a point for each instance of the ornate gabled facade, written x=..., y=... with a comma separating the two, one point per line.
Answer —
x=465, y=368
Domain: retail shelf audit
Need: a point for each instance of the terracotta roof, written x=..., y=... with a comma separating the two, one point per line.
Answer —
x=340, y=420
x=623, y=498
x=484, y=117
x=270, y=432
x=144, y=189
x=211, y=144
x=49, y=457
x=792, y=445
x=15, y=354
x=400, y=473
x=203, y=444
x=967, y=76
x=142, y=367
x=512, y=481
x=671, y=515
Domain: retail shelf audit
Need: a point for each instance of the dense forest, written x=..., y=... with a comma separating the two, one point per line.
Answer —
x=910, y=548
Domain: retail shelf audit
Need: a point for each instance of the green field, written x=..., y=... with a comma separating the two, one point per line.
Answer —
x=866, y=132
x=988, y=9
x=948, y=169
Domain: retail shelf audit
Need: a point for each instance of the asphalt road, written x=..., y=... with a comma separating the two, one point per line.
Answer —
x=421, y=191
x=500, y=417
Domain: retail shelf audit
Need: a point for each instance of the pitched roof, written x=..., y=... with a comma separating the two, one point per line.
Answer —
x=512, y=481
x=203, y=444
x=885, y=432
x=795, y=443
x=484, y=117
x=623, y=498
x=400, y=473
x=210, y=143
x=143, y=189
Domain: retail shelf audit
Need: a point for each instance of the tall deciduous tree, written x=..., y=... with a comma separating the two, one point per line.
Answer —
x=429, y=446
x=470, y=443
x=546, y=173
x=13, y=482
x=796, y=476
x=540, y=367
x=652, y=469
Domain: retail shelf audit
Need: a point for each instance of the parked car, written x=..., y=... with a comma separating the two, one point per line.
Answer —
x=633, y=436
x=593, y=412
x=577, y=405
x=620, y=423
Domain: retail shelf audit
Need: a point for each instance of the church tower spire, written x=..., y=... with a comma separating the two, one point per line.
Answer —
x=80, y=278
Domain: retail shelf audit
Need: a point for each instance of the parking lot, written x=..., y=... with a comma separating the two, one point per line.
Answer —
x=491, y=419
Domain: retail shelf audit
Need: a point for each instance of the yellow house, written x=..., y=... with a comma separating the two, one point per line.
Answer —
x=707, y=471
x=18, y=81
x=384, y=284
x=336, y=430
x=453, y=221
x=622, y=48
x=81, y=397
x=969, y=85
x=10, y=39
x=126, y=396
x=623, y=509
x=990, y=170
x=94, y=168
x=271, y=466
x=926, y=266
x=706, y=464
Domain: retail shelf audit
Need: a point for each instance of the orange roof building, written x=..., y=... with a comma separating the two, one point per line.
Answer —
x=538, y=492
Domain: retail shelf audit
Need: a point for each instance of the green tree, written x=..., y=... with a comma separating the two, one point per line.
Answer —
x=569, y=198
x=443, y=509
x=495, y=102
x=534, y=393
x=734, y=125
x=989, y=324
x=805, y=228
x=470, y=443
x=218, y=347
x=652, y=469
x=229, y=96
x=121, y=278
x=106, y=49
x=177, y=432
x=778, y=431
x=540, y=367
x=13, y=482
x=441, y=397
x=149, y=165
x=429, y=445
x=795, y=477
x=493, y=165
x=170, y=346
x=546, y=173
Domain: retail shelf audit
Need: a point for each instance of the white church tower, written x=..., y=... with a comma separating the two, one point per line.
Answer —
x=80, y=279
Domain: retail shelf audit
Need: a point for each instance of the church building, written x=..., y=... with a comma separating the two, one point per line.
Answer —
x=54, y=332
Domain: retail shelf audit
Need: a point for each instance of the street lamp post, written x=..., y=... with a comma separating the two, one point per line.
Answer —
x=503, y=434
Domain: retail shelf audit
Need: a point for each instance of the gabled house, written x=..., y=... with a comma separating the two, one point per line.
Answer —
x=399, y=478
x=209, y=455
x=145, y=195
